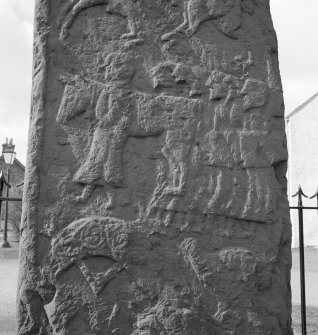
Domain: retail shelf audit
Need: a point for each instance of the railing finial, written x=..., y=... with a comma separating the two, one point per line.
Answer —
x=315, y=196
x=300, y=193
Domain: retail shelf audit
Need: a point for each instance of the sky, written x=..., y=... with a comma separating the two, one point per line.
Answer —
x=296, y=25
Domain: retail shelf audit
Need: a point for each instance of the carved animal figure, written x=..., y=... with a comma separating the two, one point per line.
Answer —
x=121, y=114
x=226, y=15
x=88, y=237
x=75, y=245
x=243, y=269
x=122, y=7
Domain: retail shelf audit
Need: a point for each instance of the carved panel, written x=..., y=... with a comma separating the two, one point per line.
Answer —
x=156, y=200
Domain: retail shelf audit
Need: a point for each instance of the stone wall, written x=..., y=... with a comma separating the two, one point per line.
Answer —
x=155, y=196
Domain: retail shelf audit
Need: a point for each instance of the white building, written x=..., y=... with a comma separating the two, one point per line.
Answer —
x=302, y=138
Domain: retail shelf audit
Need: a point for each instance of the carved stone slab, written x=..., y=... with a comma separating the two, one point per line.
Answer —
x=155, y=196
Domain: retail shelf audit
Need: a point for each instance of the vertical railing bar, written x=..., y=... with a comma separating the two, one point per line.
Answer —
x=302, y=270
x=302, y=261
x=5, y=230
x=1, y=189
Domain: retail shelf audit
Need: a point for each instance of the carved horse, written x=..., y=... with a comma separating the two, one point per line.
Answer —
x=120, y=114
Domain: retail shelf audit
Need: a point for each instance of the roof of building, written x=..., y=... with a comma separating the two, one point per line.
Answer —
x=302, y=106
x=19, y=163
x=16, y=161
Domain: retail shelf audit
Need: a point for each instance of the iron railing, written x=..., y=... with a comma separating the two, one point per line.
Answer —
x=300, y=209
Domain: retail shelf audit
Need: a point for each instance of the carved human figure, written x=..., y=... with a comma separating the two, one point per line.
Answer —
x=112, y=106
x=120, y=113
x=240, y=147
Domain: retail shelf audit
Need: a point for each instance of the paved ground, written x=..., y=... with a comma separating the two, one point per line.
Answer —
x=8, y=288
x=9, y=273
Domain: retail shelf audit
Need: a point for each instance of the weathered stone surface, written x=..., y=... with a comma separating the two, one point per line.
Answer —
x=155, y=196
